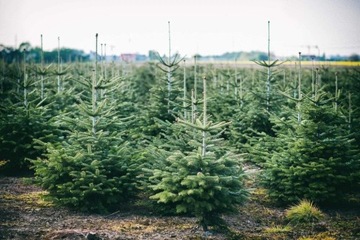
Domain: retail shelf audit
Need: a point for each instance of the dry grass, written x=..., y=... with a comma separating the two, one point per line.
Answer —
x=304, y=212
x=32, y=199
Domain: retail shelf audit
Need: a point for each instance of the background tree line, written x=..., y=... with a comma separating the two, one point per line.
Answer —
x=33, y=54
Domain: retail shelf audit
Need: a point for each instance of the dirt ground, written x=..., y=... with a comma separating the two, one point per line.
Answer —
x=24, y=214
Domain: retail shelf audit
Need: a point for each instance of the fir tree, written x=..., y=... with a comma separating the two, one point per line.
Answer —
x=315, y=159
x=165, y=102
x=252, y=128
x=23, y=118
x=91, y=169
x=204, y=182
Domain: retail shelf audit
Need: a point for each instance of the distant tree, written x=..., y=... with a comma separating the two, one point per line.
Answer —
x=153, y=56
x=354, y=57
x=9, y=54
x=25, y=46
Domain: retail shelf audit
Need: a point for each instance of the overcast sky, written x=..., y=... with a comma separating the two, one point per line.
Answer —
x=197, y=26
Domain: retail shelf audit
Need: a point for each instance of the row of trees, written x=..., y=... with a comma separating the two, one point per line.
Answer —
x=97, y=134
x=38, y=55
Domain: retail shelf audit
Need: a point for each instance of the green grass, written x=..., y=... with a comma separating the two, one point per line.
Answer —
x=304, y=212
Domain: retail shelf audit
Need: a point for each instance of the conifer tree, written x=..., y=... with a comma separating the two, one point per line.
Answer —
x=315, y=158
x=252, y=129
x=23, y=118
x=91, y=169
x=202, y=181
x=352, y=103
x=165, y=98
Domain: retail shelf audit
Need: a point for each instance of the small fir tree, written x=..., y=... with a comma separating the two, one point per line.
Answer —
x=165, y=98
x=91, y=169
x=316, y=159
x=203, y=182
x=23, y=118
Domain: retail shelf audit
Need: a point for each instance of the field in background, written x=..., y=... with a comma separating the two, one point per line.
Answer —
x=292, y=63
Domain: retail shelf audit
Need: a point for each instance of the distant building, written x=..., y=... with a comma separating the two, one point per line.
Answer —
x=128, y=57
x=133, y=57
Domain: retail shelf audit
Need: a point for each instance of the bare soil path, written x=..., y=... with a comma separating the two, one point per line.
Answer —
x=24, y=214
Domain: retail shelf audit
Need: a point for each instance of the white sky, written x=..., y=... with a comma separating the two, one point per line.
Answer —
x=197, y=26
